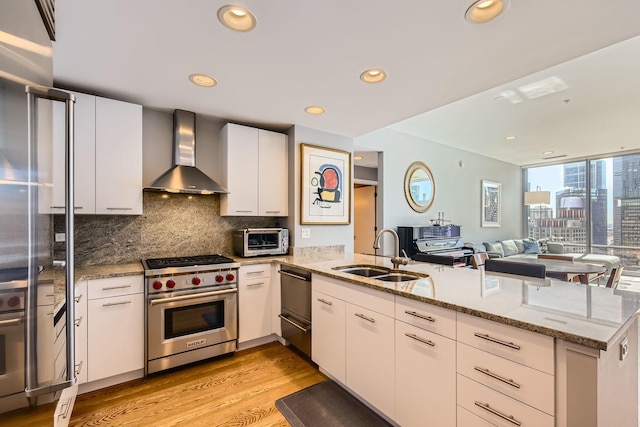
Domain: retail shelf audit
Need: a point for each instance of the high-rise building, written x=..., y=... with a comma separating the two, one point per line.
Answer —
x=626, y=200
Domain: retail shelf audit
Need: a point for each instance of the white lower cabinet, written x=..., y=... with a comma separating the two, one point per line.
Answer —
x=370, y=356
x=115, y=329
x=425, y=383
x=328, y=339
x=254, y=302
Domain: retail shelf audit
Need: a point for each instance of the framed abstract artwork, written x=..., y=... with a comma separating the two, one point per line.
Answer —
x=491, y=204
x=325, y=185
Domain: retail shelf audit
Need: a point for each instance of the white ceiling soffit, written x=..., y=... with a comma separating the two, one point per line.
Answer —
x=312, y=53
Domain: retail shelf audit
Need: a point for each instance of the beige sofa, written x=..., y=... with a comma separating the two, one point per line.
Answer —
x=525, y=248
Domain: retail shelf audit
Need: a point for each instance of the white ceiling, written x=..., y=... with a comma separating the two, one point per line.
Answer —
x=312, y=53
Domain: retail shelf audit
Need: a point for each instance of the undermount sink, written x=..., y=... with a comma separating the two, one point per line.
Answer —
x=397, y=277
x=365, y=271
x=378, y=273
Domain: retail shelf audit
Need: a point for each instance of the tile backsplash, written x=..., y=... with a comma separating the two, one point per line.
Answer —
x=171, y=225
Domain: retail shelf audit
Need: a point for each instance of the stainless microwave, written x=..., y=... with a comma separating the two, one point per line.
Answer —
x=249, y=242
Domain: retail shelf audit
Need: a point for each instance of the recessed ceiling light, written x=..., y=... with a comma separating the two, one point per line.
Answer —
x=236, y=18
x=373, y=76
x=547, y=152
x=357, y=157
x=510, y=137
x=485, y=10
x=314, y=109
x=203, y=80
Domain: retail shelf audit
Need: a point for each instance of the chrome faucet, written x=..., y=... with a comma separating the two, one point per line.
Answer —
x=396, y=260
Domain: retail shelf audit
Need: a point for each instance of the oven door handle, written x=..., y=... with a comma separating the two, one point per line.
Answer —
x=11, y=322
x=191, y=296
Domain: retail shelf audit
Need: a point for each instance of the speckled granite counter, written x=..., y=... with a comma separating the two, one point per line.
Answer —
x=586, y=315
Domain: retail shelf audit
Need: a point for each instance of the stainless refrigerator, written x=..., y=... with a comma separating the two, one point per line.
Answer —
x=36, y=291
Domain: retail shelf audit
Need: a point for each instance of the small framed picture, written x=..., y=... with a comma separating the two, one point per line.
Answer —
x=491, y=201
x=325, y=185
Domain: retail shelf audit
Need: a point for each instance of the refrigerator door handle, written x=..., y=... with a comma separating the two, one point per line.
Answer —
x=33, y=387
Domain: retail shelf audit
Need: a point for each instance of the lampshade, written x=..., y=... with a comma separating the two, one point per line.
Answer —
x=537, y=197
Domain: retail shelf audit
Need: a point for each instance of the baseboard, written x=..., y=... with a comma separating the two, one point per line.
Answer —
x=108, y=382
x=260, y=341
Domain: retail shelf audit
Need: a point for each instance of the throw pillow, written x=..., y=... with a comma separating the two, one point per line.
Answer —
x=494, y=247
x=519, y=244
x=509, y=247
x=531, y=247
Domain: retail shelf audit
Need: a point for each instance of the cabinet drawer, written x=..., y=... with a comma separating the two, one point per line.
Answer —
x=254, y=271
x=81, y=332
x=379, y=301
x=468, y=419
x=524, y=347
x=115, y=286
x=497, y=408
x=426, y=316
x=525, y=384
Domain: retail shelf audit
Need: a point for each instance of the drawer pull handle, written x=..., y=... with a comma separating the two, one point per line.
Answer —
x=272, y=211
x=78, y=298
x=420, y=316
x=497, y=341
x=502, y=415
x=255, y=272
x=497, y=377
x=110, y=304
x=110, y=288
x=79, y=368
x=368, y=319
x=324, y=301
x=250, y=285
x=243, y=211
x=422, y=340
x=119, y=209
x=78, y=321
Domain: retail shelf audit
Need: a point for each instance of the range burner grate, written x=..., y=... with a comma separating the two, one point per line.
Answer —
x=188, y=261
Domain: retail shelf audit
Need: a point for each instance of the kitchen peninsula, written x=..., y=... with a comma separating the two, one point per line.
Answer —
x=465, y=347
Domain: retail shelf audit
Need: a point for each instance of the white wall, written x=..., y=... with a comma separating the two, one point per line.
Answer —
x=458, y=188
x=321, y=235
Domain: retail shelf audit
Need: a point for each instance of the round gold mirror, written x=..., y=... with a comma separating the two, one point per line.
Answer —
x=419, y=187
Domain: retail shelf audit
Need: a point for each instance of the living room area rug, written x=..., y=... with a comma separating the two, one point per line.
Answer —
x=326, y=404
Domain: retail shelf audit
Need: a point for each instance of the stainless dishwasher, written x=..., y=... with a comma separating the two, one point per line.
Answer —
x=295, y=308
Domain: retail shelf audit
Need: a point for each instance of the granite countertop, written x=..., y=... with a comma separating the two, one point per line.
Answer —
x=586, y=315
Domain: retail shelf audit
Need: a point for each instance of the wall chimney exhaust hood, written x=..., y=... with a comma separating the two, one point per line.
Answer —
x=184, y=177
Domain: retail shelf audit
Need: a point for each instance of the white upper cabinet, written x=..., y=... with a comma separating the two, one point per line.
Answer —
x=254, y=170
x=118, y=163
x=107, y=158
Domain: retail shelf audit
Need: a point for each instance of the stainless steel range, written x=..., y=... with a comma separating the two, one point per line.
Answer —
x=191, y=309
x=13, y=288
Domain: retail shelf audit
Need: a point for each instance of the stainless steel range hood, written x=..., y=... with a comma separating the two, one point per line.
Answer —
x=184, y=177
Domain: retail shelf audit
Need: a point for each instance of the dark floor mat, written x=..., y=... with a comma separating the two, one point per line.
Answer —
x=327, y=404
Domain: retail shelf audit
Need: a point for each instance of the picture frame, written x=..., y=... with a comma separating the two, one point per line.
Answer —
x=325, y=185
x=491, y=203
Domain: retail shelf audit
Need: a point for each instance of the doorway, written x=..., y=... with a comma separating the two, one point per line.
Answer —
x=364, y=218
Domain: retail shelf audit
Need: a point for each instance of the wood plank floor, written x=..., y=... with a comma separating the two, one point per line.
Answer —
x=235, y=391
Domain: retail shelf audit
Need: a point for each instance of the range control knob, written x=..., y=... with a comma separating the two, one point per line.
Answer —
x=171, y=284
x=196, y=281
x=157, y=285
x=13, y=302
x=230, y=277
x=219, y=278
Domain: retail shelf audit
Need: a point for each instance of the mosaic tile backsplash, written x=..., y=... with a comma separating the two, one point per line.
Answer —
x=171, y=225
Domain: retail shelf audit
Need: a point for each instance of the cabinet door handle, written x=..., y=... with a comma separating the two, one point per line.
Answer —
x=502, y=415
x=78, y=298
x=497, y=377
x=78, y=321
x=250, y=285
x=244, y=211
x=110, y=288
x=420, y=316
x=272, y=212
x=109, y=304
x=79, y=367
x=422, y=340
x=368, y=319
x=324, y=301
x=497, y=341
x=119, y=209
x=62, y=207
